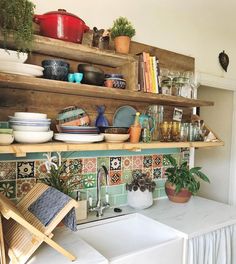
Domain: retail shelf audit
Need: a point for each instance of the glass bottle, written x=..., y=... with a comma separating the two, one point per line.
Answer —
x=146, y=133
x=135, y=129
x=101, y=120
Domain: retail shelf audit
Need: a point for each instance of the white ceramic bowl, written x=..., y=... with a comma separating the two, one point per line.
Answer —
x=13, y=56
x=6, y=139
x=32, y=137
x=28, y=115
x=116, y=138
x=37, y=128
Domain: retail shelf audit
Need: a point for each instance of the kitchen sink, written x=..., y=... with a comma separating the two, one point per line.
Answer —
x=133, y=238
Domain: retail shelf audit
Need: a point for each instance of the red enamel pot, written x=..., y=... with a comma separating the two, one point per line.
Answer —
x=61, y=25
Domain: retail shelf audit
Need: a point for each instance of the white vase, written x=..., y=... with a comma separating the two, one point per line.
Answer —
x=140, y=200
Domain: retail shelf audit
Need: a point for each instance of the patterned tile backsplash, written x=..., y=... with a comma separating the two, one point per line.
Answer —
x=18, y=177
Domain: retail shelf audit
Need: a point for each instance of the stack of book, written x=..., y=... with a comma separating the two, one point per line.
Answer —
x=148, y=73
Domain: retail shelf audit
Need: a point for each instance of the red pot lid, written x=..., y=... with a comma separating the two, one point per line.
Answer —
x=62, y=12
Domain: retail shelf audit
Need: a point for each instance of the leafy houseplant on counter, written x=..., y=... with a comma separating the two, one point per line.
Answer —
x=140, y=191
x=16, y=20
x=182, y=182
x=122, y=31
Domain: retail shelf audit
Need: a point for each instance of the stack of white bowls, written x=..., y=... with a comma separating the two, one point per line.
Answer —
x=31, y=127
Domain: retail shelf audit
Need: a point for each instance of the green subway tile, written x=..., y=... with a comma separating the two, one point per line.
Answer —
x=162, y=192
x=155, y=193
x=160, y=183
x=93, y=193
x=112, y=201
x=105, y=161
x=113, y=190
x=120, y=199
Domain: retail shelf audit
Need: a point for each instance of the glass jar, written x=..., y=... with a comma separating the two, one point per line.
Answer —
x=156, y=112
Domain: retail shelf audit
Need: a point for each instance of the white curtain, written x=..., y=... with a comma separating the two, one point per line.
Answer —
x=217, y=247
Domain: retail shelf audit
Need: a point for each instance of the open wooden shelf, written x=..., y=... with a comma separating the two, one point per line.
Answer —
x=78, y=52
x=60, y=87
x=20, y=150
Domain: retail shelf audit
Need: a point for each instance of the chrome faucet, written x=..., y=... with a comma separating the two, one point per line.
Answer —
x=100, y=206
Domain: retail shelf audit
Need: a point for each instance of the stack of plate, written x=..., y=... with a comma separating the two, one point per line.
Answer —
x=31, y=127
x=81, y=130
x=79, y=134
x=13, y=62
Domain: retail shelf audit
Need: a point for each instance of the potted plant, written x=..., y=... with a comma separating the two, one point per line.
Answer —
x=16, y=20
x=122, y=31
x=140, y=191
x=66, y=182
x=182, y=181
x=58, y=177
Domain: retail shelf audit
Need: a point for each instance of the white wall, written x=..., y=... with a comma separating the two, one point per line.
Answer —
x=200, y=28
x=216, y=161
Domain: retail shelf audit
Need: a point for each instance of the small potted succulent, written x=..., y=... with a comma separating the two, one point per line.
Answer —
x=140, y=191
x=182, y=181
x=122, y=31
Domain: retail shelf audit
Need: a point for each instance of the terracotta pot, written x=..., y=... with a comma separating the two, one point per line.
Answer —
x=122, y=44
x=181, y=197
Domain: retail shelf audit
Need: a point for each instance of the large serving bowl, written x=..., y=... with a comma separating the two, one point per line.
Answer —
x=114, y=130
x=28, y=115
x=91, y=75
x=55, y=62
x=32, y=137
x=55, y=69
x=13, y=56
x=6, y=139
x=116, y=138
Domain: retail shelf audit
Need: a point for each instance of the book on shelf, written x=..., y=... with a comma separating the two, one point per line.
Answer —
x=141, y=73
x=148, y=73
x=146, y=59
x=154, y=74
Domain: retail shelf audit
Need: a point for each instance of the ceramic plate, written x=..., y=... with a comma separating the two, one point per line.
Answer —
x=74, y=138
x=124, y=116
x=79, y=129
x=21, y=69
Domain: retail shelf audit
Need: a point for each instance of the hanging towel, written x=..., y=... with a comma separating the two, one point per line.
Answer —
x=49, y=204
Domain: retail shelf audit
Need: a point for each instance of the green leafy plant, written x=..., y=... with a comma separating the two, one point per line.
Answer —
x=60, y=179
x=16, y=20
x=182, y=177
x=122, y=27
x=142, y=182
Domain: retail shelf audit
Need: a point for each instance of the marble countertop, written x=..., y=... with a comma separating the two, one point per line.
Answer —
x=191, y=219
x=194, y=218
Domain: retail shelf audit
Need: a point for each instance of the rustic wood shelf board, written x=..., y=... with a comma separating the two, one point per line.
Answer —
x=73, y=51
x=60, y=87
x=20, y=150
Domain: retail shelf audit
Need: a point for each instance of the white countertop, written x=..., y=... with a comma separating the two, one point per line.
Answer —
x=194, y=218
x=191, y=219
